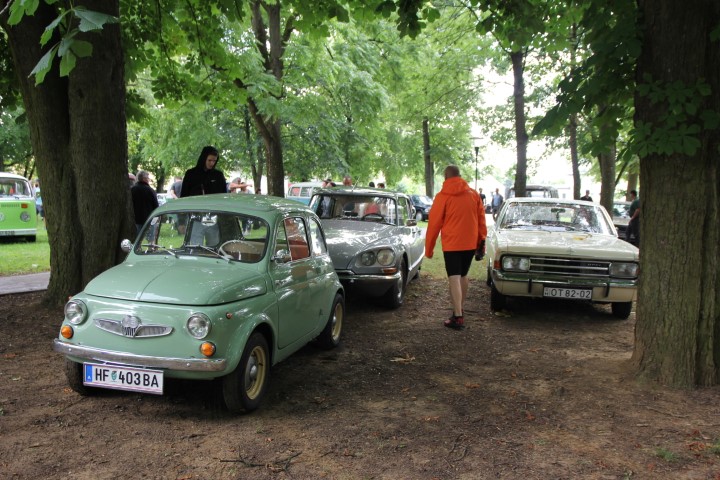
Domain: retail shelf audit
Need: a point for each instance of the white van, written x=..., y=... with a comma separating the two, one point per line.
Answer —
x=302, y=191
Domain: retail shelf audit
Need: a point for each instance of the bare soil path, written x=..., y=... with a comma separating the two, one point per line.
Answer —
x=541, y=392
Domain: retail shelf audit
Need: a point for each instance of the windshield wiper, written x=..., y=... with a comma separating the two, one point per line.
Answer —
x=160, y=247
x=208, y=249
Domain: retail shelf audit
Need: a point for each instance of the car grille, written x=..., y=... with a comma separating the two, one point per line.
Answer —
x=116, y=327
x=570, y=267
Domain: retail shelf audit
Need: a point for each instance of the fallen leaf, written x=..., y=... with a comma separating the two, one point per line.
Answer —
x=472, y=385
x=405, y=359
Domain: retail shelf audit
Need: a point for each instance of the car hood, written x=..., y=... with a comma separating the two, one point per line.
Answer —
x=346, y=238
x=184, y=280
x=574, y=244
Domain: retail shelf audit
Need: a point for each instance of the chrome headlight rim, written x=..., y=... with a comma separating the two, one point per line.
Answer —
x=198, y=325
x=386, y=257
x=75, y=312
x=367, y=258
x=515, y=263
x=624, y=269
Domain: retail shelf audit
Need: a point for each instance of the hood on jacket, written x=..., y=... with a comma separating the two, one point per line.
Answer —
x=455, y=186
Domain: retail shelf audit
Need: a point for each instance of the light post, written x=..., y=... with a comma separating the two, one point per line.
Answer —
x=477, y=149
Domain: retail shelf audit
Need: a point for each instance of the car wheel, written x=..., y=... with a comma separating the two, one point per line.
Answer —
x=418, y=216
x=31, y=238
x=244, y=388
x=621, y=310
x=330, y=336
x=74, y=374
x=497, y=299
x=395, y=296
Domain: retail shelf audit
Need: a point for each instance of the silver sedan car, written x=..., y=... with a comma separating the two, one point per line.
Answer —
x=373, y=239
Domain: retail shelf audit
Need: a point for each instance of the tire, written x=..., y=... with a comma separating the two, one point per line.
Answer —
x=74, y=374
x=621, y=310
x=330, y=336
x=244, y=388
x=497, y=299
x=396, y=295
x=31, y=238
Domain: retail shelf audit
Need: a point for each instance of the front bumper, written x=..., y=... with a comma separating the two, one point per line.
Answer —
x=374, y=285
x=603, y=289
x=131, y=359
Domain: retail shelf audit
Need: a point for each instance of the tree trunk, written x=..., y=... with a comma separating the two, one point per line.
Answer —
x=607, y=161
x=677, y=335
x=521, y=136
x=572, y=140
x=79, y=139
x=429, y=167
x=632, y=184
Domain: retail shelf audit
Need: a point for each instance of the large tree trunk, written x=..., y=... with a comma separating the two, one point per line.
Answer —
x=427, y=159
x=521, y=136
x=77, y=128
x=574, y=160
x=632, y=184
x=677, y=335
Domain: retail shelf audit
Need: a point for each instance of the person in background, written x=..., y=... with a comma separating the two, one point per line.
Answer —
x=372, y=185
x=632, y=234
x=204, y=178
x=381, y=185
x=144, y=199
x=458, y=217
x=482, y=195
x=328, y=183
x=497, y=201
x=347, y=181
x=176, y=188
x=587, y=196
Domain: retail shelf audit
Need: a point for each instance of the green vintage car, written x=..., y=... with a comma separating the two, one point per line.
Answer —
x=215, y=287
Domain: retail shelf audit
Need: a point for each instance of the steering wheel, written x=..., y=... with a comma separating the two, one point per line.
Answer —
x=374, y=215
x=234, y=253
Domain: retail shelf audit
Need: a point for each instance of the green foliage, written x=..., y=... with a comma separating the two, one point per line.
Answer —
x=15, y=147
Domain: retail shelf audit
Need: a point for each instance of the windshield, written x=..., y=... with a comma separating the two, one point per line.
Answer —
x=422, y=200
x=355, y=207
x=230, y=236
x=621, y=209
x=11, y=187
x=555, y=217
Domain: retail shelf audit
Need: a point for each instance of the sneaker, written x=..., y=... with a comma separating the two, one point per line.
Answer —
x=457, y=323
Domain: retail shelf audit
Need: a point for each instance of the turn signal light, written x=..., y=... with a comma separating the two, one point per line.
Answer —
x=66, y=331
x=207, y=349
x=389, y=271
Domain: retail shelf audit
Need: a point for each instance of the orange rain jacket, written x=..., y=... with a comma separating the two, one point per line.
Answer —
x=458, y=215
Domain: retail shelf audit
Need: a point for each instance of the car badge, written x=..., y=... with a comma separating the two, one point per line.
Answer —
x=2, y=217
x=130, y=325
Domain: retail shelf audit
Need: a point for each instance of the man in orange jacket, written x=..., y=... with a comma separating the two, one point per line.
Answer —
x=458, y=215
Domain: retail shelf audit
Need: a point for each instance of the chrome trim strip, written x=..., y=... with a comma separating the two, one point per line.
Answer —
x=560, y=282
x=107, y=356
x=346, y=275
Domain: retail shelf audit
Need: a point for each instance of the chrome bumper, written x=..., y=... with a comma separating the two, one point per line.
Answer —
x=121, y=358
x=604, y=289
x=351, y=277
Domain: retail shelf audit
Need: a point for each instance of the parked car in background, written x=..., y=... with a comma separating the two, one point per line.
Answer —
x=302, y=192
x=18, y=215
x=422, y=204
x=568, y=249
x=373, y=239
x=202, y=298
x=621, y=217
x=534, y=191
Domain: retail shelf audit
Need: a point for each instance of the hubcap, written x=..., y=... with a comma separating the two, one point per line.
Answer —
x=255, y=372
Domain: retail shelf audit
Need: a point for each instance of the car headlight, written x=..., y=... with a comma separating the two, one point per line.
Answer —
x=198, y=325
x=75, y=312
x=25, y=217
x=624, y=270
x=518, y=264
x=367, y=258
x=386, y=257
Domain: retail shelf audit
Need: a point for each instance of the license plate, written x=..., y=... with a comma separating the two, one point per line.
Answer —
x=569, y=293
x=123, y=378
x=6, y=233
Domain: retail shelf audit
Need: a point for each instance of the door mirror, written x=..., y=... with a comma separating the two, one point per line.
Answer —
x=281, y=256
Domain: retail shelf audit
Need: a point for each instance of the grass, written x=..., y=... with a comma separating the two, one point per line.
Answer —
x=20, y=257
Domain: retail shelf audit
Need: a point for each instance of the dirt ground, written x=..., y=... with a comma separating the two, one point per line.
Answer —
x=541, y=391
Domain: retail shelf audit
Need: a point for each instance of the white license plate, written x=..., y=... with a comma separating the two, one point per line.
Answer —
x=6, y=233
x=123, y=378
x=569, y=293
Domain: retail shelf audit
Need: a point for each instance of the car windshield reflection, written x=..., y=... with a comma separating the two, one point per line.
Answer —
x=355, y=207
x=228, y=236
x=555, y=217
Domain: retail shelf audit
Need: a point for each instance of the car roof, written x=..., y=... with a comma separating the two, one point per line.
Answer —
x=342, y=190
x=554, y=201
x=13, y=176
x=260, y=205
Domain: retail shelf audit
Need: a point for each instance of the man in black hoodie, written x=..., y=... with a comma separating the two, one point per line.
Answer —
x=204, y=179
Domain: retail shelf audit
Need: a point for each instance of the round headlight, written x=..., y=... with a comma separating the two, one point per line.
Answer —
x=198, y=325
x=25, y=217
x=386, y=257
x=75, y=312
x=367, y=258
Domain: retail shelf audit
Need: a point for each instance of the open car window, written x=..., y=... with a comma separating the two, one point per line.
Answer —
x=231, y=236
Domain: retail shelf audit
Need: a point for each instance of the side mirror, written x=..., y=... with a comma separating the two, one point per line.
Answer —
x=126, y=246
x=281, y=256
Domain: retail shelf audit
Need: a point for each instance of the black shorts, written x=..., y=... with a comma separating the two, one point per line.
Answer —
x=458, y=263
